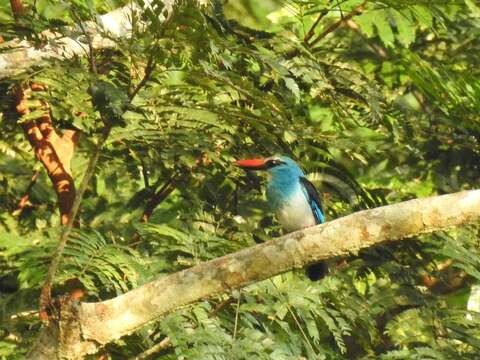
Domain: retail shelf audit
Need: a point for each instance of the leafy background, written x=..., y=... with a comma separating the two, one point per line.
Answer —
x=383, y=109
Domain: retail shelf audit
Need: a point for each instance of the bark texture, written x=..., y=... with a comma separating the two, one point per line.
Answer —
x=53, y=150
x=98, y=323
x=17, y=8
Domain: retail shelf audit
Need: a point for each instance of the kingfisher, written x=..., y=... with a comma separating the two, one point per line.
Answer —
x=292, y=197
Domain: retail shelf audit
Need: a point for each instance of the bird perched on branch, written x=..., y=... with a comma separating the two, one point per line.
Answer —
x=292, y=197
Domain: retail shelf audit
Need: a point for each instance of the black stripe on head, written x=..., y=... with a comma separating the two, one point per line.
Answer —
x=270, y=163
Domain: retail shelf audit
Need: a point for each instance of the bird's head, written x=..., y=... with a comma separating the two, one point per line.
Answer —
x=275, y=165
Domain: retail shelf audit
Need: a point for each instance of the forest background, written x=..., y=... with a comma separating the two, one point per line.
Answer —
x=377, y=100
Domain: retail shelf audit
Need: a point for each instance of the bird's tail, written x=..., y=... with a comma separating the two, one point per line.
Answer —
x=317, y=271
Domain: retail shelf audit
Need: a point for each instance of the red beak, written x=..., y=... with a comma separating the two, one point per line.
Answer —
x=252, y=164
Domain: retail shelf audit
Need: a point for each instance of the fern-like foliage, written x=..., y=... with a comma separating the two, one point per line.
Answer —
x=377, y=100
x=104, y=267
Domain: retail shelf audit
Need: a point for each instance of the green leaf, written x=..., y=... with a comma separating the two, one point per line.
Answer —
x=405, y=27
x=473, y=7
x=53, y=10
x=366, y=22
x=384, y=30
x=293, y=87
x=423, y=15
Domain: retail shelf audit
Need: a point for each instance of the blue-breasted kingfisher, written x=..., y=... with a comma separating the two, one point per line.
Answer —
x=292, y=197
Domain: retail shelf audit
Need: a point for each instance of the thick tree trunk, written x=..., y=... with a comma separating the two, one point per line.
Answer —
x=84, y=327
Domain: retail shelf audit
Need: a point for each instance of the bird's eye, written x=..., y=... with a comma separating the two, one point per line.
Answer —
x=274, y=162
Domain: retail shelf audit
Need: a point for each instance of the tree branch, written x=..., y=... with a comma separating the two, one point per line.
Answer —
x=52, y=150
x=102, y=322
x=357, y=11
x=311, y=32
x=151, y=63
x=156, y=199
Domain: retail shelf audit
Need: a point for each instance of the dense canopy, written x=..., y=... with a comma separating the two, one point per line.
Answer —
x=378, y=101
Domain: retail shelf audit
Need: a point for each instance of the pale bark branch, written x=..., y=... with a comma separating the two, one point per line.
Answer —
x=102, y=322
x=111, y=319
x=17, y=56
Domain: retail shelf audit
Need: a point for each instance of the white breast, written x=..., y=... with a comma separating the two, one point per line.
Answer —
x=297, y=214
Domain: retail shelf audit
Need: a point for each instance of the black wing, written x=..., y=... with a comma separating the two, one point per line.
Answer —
x=317, y=270
x=313, y=200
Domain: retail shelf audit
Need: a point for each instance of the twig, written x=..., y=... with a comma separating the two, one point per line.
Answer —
x=311, y=32
x=24, y=200
x=219, y=307
x=166, y=190
x=145, y=174
x=162, y=345
x=90, y=55
x=295, y=319
x=340, y=8
x=151, y=63
x=301, y=330
x=357, y=11
x=156, y=199
x=236, y=319
x=235, y=327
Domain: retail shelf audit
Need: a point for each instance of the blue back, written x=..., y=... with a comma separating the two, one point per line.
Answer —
x=286, y=182
x=317, y=211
